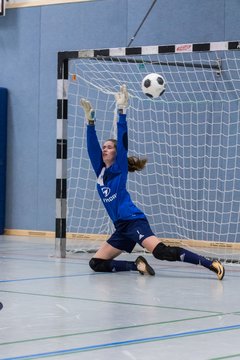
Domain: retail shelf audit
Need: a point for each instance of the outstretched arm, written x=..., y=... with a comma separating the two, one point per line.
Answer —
x=122, y=134
x=93, y=146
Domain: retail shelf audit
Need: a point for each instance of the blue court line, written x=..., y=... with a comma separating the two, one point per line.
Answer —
x=84, y=274
x=124, y=343
x=47, y=277
x=52, y=259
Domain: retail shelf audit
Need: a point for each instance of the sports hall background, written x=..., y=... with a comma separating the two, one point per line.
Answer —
x=30, y=38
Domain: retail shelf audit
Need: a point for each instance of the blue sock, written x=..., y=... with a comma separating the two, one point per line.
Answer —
x=192, y=258
x=123, y=265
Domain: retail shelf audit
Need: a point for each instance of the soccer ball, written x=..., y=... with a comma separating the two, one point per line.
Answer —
x=153, y=85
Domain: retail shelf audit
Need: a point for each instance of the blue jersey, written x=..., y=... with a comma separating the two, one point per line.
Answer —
x=111, y=182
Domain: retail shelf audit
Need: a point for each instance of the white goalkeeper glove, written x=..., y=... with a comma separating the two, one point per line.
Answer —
x=121, y=98
x=88, y=110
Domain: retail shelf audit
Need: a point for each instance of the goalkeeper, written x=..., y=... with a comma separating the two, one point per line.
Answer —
x=111, y=166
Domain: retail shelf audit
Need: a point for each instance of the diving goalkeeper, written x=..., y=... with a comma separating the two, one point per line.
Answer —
x=111, y=165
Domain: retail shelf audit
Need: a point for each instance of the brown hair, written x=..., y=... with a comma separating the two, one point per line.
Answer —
x=134, y=162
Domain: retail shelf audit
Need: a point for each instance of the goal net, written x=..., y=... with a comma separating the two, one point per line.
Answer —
x=190, y=189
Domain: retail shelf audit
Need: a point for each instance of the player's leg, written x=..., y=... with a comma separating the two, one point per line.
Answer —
x=172, y=253
x=104, y=259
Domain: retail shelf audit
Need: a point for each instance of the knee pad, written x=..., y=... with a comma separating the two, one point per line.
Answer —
x=100, y=265
x=169, y=253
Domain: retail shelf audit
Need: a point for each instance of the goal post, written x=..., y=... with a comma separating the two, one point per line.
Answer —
x=190, y=190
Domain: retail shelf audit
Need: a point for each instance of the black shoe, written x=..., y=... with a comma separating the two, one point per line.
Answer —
x=143, y=266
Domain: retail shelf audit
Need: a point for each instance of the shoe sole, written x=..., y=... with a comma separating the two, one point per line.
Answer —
x=220, y=274
x=149, y=269
x=223, y=273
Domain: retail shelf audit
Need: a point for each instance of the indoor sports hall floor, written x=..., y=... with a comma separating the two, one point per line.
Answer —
x=60, y=309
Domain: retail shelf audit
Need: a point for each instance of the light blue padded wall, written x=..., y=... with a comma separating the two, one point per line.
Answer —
x=3, y=148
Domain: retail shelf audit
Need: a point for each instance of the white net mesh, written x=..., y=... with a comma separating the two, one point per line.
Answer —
x=190, y=188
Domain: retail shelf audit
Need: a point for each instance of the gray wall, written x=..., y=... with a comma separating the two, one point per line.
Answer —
x=29, y=41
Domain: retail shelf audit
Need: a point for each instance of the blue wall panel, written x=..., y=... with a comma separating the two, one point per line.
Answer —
x=29, y=41
x=173, y=22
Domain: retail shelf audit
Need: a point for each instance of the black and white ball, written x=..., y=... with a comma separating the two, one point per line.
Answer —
x=153, y=85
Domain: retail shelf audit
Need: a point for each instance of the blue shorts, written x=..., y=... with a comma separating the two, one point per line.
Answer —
x=129, y=233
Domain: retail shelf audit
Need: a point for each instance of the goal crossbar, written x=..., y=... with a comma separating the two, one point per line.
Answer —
x=216, y=66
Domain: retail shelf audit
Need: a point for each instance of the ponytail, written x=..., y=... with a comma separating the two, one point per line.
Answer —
x=136, y=164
